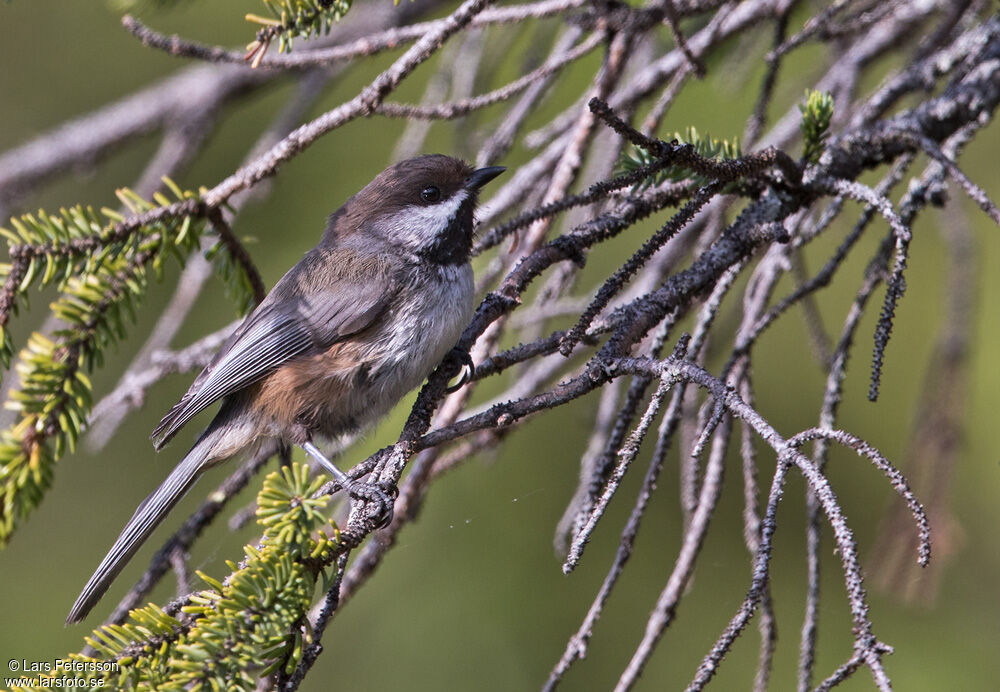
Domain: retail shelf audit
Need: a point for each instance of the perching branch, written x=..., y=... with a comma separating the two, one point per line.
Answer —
x=683, y=232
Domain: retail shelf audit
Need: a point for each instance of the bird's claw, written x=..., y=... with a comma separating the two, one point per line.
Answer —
x=382, y=494
x=463, y=360
x=390, y=489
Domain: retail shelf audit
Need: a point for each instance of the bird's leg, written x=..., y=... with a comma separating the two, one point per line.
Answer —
x=312, y=450
x=357, y=489
x=461, y=358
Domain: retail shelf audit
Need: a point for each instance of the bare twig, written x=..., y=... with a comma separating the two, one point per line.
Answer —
x=561, y=335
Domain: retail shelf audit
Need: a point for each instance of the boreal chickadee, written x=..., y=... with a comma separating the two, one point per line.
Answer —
x=358, y=322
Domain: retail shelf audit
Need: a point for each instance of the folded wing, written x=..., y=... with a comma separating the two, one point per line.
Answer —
x=280, y=330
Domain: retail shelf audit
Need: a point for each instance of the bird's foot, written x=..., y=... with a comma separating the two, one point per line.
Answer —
x=382, y=494
x=464, y=367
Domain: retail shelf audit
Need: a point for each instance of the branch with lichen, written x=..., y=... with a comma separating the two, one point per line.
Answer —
x=722, y=222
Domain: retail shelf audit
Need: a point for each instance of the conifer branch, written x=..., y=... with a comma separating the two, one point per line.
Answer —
x=101, y=264
x=719, y=215
x=232, y=632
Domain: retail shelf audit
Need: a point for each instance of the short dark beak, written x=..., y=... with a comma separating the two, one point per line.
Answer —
x=481, y=176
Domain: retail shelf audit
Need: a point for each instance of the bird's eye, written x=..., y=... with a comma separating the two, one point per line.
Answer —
x=430, y=194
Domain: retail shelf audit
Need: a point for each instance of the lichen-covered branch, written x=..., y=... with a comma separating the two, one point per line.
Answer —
x=677, y=225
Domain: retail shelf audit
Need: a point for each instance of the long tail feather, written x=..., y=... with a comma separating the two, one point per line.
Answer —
x=146, y=518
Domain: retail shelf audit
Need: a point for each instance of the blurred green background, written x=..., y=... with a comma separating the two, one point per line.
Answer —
x=473, y=597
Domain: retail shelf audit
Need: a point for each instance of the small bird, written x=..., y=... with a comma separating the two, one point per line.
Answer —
x=358, y=322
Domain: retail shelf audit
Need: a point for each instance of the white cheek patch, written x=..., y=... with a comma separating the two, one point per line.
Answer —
x=417, y=226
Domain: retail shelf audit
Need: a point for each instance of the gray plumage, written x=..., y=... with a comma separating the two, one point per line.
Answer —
x=358, y=322
x=285, y=325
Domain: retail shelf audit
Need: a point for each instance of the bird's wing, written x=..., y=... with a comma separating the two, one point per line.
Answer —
x=278, y=331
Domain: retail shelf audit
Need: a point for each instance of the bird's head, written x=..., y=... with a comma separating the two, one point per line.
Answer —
x=422, y=207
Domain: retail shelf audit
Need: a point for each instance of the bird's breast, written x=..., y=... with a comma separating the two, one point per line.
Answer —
x=358, y=380
x=422, y=325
